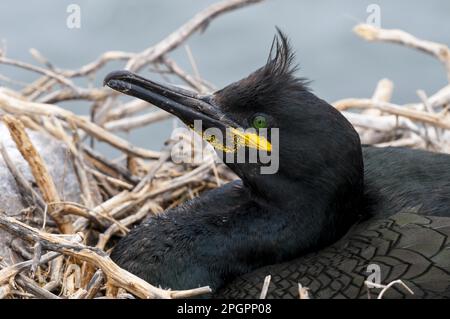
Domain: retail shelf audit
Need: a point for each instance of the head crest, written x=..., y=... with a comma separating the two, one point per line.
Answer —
x=267, y=83
x=281, y=57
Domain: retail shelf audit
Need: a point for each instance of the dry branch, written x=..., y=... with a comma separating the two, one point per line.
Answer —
x=422, y=116
x=130, y=123
x=118, y=276
x=30, y=67
x=265, y=287
x=372, y=33
x=199, y=21
x=16, y=106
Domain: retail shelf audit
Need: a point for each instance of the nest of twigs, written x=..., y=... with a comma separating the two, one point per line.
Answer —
x=68, y=256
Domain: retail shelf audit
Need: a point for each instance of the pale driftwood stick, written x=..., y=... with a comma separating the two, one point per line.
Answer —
x=56, y=268
x=382, y=93
x=95, y=284
x=165, y=155
x=68, y=208
x=38, y=168
x=303, y=292
x=79, y=294
x=192, y=61
x=95, y=215
x=101, y=110
x=130, y=123
x=36, y=88
x=440, y=98
x=120, y=170
x=30, y=286
x=429, y=108
x=199, y=21
x=11, y=271
x=36, y=258
x=32, y=124
x=18, y=247
x=145, y=194
x=97, y=64
x=127, y=221
x=40, y=70
x=82, y=94
x=372, y=33
x=123, y=208
x=413, y=141
x=399, y=282
x=27, y=192
x=265, y=287
x=78, y=162
x=71, y=279
x=125, y=296
x=83, y=181
x=16, y=106
x=38, y=56
x=5, y=290
x=118, y=276
x=189, y=293
x=8, y=80
x=113, y=202
x=385, y=288
x=127, y=109
x=190, y=80
x=107, y=208
x=391, y=108
x=21, y=294
x=385, y=123
x=114, y=181
x=105, y=186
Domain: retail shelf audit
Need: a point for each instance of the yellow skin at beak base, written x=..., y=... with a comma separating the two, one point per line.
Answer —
x=251, y=140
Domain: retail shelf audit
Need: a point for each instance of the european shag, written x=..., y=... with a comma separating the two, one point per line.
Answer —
x=333, y=214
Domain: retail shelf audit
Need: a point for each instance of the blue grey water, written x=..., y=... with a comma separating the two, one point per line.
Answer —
x=339, y=63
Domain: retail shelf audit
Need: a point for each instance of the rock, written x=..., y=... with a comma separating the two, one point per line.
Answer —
x=59, y=164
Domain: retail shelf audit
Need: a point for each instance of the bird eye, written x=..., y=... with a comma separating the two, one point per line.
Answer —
x=259, y=121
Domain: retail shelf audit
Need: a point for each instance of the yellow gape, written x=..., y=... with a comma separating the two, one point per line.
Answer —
x=239, y=139
x=251, y=140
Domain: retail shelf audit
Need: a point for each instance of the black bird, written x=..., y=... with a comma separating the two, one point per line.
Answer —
x=333, y=214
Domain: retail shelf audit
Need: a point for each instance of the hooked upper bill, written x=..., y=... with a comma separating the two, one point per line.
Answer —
x=189, y=107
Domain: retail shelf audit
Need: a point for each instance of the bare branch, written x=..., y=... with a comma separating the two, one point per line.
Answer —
x=199, y=21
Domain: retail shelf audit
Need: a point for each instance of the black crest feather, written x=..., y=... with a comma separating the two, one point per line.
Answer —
x=281, y=58
x=274, y=78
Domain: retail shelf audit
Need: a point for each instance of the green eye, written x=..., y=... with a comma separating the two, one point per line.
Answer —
x=259, y=121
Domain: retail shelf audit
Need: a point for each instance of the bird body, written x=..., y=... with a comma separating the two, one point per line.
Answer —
x=404, y=231
x=331, y=209
x=405, y=236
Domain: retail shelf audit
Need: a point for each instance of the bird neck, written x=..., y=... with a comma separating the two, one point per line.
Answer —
x=260, y=231
x=327, y=205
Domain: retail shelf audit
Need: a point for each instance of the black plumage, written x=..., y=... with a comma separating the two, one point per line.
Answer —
x=333, y=206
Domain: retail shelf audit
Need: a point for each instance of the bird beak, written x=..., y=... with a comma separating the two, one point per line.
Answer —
x=188, y=106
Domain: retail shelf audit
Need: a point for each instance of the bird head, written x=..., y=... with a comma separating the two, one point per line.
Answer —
x=298, y=138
